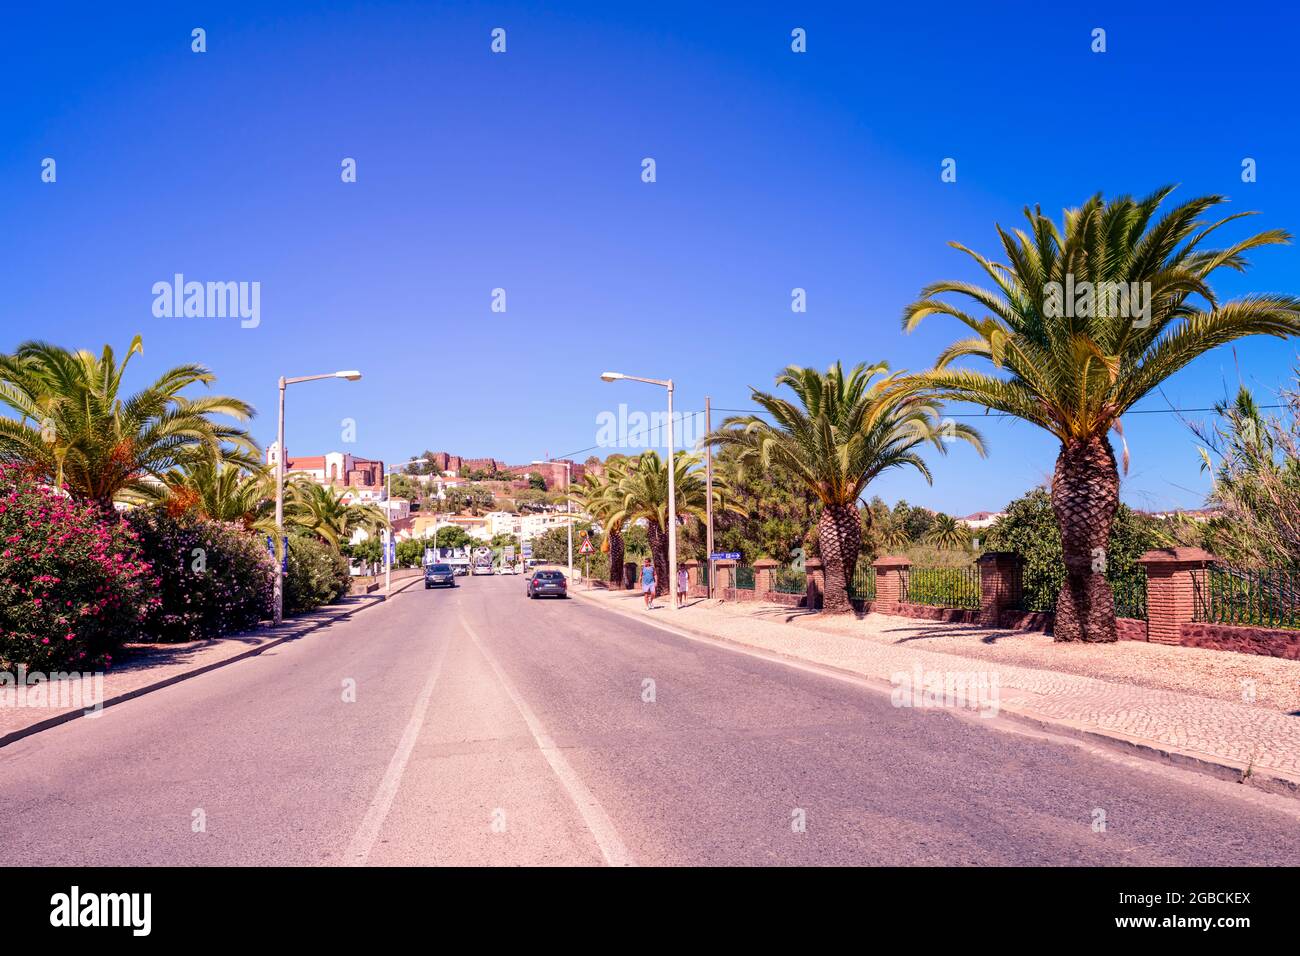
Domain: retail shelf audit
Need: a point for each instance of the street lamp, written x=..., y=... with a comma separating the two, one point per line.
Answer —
x=388, y=519
x=351, y=375
x=568, y=507
x=672, y=468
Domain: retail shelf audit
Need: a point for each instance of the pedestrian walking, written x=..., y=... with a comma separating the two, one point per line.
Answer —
x=649, y=583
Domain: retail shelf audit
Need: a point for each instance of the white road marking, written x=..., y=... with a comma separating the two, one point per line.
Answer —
x=598, y=823
x=364, y=839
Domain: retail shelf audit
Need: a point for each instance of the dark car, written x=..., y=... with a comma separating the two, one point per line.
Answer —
x=544, y=583
x=439, y=576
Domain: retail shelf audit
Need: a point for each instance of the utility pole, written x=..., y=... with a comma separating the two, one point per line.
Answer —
x=708, y=492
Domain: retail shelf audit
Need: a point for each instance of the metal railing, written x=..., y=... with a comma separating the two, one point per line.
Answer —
x=787, y=579
x=862, y=586
x=1130, y=591
x=1267, y=598
x=942, y=587
x=744, y=577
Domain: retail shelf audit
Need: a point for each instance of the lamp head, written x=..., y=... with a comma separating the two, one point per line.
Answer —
x=351, y=375
x=611, y=376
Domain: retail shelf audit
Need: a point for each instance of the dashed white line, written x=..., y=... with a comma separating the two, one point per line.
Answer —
x=598, y=823
x=368, y=832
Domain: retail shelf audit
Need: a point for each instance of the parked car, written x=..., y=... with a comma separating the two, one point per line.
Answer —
x=481, y=569
x=507, y=569
x=439, y=576
x=544, y=583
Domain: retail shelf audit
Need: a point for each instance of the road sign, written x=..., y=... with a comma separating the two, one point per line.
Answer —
x=586, y=547
x=725, y=556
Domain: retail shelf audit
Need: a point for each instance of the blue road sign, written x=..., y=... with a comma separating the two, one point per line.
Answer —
x=725, y=556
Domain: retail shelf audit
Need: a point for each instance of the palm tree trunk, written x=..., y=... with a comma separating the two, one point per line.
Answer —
x=1085, y=496
x=659, y=556
x=615, y=558
x=839, y=535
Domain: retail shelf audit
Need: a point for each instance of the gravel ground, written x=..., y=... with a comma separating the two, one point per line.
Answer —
x=1194, y=670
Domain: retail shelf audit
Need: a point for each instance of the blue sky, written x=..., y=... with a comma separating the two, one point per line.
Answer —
x=522, y=171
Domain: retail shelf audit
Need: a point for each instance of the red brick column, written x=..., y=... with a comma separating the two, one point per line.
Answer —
x=999, y=585
x=813, y=570
x=890, y=570
x=1171, y=598
x=726, y=572
x=692, y=572
x=764, y=576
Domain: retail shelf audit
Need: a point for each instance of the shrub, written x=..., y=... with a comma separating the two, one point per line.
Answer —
x=317, y=575
x=73, y=587
x=1029, y=528
x=215, y=578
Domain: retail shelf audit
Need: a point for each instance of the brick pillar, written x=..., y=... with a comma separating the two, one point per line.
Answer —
x=692, y=574
x=1000, y=577
x=764, y=576
x=726, y=572
x=813, y=569
x=1171, y=596
x=890, y=570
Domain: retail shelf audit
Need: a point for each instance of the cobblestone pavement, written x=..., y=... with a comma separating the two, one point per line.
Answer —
x=1223, y=732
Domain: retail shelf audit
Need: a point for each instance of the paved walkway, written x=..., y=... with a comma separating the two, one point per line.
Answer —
x=1215, y=734
x=146, y=667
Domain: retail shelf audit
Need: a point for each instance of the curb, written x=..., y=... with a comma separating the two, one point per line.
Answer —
x=307, y=628
x=1217, y=767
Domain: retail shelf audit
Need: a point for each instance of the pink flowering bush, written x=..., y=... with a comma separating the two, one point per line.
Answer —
x=73, y=587
x=214, y=578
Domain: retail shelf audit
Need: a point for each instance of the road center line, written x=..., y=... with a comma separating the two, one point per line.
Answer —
x=598, y=823
x=368, y=832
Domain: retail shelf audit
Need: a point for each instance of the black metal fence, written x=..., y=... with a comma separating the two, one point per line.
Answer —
x=942, y=587
x=862, y=586
x=1268, y=598
x=787, y=579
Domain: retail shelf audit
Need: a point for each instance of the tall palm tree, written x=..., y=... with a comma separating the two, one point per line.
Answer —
x=79, y=432
x=841, y=433
x=1074, y=367
x=640, y=492
x=321, y=510
x=217, y=488
x=597, y=496
x=947, y=534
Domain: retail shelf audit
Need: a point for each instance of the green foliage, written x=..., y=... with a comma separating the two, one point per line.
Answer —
x=1029, y=529
x=536, y=481
x=213, y=578
x=73, y=586
x=317, y=574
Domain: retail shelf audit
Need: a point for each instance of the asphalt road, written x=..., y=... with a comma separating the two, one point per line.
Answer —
x=477, y=727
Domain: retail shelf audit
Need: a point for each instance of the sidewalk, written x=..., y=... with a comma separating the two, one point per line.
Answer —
x=149, y=667
x=1151, y=699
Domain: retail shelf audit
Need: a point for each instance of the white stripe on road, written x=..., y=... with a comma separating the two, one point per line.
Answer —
x=593, y=814
x=364, y=839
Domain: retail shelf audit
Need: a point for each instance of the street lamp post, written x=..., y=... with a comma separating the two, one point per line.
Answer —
x=278, y=608
x=672, y=486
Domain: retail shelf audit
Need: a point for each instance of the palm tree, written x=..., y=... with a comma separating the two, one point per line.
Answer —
x=597, y=496
x=217, y=488
x=79, y=433
x=841, y=434
x=640, y=492
x=1073, y=368
x=947, y=534
x=320, y=510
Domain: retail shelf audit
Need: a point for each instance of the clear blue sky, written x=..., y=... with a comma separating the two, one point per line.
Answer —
x=523, y=171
